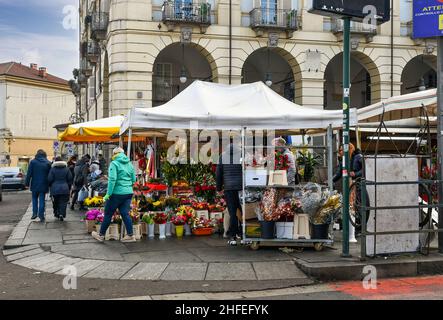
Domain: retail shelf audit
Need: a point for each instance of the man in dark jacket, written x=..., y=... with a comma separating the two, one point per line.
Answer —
x=81, y=172
x=229, y=179
x=60, y=181
x=37, y=178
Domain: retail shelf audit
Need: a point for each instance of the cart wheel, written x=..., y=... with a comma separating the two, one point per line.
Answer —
x=318, y=246
x=255, y=245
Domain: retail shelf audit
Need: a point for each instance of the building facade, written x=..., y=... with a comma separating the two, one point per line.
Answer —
x=32, y=102
x=144, y=52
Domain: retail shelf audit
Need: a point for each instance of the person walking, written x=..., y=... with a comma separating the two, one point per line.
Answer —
x=60, y=181
x=102, y=162
x=121, y=177
x=37, y=178
x=81, y=172
x=229, y=178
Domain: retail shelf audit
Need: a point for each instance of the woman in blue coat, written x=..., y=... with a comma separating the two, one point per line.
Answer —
x=60, y=181
x=37, y=178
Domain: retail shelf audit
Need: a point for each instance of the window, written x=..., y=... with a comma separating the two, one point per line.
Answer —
x=163, y=82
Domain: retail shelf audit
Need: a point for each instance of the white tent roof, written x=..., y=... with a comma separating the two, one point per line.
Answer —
x=403, y=102
x=231, y=107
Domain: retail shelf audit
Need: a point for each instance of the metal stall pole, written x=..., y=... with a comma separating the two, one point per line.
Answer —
x=330, y=156
x=346, y=105
x=129, y=143
x=243, y=183
x=440, y=139
x=363, y=220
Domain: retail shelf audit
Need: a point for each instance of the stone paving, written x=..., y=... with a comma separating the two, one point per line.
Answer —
x=53, y=245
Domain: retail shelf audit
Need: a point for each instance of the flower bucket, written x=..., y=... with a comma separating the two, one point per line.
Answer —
x=267, y=229
x=162, y=231
x=151, y=228
x=187, y=230
x=97, y=227
x=136, y=230
x=168, y=229
x=144, y=227
x=90, y=225
x=320, y=231
x=202, y=231
x=179, y=231
x=113, y=232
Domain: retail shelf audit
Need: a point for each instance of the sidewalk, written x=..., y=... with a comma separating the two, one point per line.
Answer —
x=49, y=247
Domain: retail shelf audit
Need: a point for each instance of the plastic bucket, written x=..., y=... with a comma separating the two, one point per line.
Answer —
x=320, y=231
x=267, y=229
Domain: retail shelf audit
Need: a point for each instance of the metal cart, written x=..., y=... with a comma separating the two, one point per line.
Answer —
x=256, y=243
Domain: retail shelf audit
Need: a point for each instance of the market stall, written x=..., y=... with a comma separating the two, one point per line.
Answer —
x=241, y=108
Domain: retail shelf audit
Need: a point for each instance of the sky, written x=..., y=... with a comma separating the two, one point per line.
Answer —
x=40, y=31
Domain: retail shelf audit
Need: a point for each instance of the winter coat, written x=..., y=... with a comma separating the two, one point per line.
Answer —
x=356, y=164
x=292, y=170
x=81, y=172
x=229, y=175
x=121, y=176
x=37, y=175
x=60, y=179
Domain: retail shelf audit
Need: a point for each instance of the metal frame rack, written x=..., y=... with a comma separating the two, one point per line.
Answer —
x=255, y=243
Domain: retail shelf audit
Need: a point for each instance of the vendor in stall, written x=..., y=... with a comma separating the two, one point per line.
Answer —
x=356, y=163
x=280, y=144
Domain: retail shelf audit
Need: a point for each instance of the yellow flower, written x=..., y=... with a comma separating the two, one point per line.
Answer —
x=157, y=204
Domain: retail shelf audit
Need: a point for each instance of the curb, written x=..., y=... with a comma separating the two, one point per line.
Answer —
x=347, y=270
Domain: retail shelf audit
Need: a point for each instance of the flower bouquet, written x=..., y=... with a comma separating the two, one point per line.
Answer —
x=203, y=227
x=160, y=218
x=281, y=160
x=148, y=222
x=93, y=202
x=178, y=222
x=188, y=213
x=200, y=205
x=172, y=202
x=206, y=192
x=91, y=219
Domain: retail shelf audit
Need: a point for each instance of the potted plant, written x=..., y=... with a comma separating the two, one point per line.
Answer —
x=309, y=162
x=178, y=222
x=160, y=218
x=90, y=219
x=99, y=220
x=203, y=227
x=189, y=214
x=148, y=218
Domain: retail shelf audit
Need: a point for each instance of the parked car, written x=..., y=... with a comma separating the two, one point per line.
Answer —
x=13, y=178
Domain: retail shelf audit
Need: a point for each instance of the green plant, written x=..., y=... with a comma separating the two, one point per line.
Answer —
x=310, y=161
x=148, y=218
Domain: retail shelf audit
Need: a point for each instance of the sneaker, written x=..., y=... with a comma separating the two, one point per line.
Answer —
x=128, y=238
x=232, y=241
x=34, y=216
x=42, y=220
x=61, y=218
x=97, y=236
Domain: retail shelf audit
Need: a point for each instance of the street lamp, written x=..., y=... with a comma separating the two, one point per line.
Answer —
x=183, y=78
x=268, y=80
x=422, y=86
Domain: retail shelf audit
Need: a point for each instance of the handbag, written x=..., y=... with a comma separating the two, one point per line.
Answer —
x=83, y=194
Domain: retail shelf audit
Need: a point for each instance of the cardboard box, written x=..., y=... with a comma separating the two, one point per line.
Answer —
x=278, y=177
x=250, y=210
x=256, y=177
x=301, y=227
x=253, y=230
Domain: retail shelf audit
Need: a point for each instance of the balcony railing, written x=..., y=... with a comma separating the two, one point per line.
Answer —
x=99, y=25
x=85, y=67
x=189, y=13
x=92, y=51
x=274, y=18
x=356, y=27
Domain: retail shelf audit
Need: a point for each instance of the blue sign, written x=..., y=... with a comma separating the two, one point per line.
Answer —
x=428, y=18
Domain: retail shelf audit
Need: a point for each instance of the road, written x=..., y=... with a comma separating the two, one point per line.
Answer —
x=21, y=283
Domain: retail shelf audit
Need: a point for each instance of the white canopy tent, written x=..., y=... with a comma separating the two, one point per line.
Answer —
x=398, y=103
x=231, y=107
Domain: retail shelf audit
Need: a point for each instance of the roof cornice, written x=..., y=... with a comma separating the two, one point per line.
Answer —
x=36, y=83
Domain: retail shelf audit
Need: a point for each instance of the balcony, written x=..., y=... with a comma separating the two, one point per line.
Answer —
x=85, y=68
x=271, y=19
x=357, y=28
x=92, y=51
x=178, y=13
x=99, y=25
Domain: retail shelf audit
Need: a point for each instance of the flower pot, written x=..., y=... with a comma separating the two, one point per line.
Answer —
x=179, y=231
x=168, y=229
x=90, y=225
x=136, y=231
x=113, y=232
x=151, y=228
x=187, y=230
x=97, y=227
x=202, y=231
x=162, y=231
x=320, y=231
x=144, y=227
x=267, y=229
